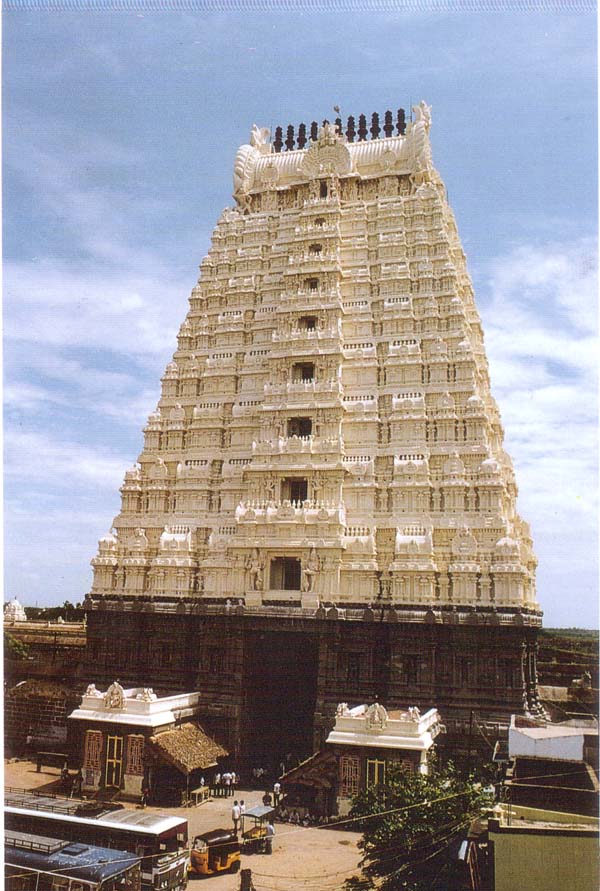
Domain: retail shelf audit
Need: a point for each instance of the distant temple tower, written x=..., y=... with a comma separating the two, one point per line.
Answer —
x=324, y=474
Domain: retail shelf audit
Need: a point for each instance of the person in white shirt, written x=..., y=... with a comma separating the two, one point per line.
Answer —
x=269, y=838
x=276, y=792
x=235, y=816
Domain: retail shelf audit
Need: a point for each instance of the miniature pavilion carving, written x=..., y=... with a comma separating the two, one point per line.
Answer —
x=325, y=465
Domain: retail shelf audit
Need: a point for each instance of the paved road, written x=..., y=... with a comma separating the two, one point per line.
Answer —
x=303, y=859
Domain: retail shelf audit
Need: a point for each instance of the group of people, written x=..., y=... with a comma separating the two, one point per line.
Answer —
x=258, y=775
x=306, y=819
x=237, y=815
x=223, y=784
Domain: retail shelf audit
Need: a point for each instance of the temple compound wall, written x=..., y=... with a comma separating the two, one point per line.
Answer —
x=323, y=505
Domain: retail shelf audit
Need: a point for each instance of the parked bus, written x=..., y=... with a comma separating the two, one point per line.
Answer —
x=160, y=840
x=37, y=863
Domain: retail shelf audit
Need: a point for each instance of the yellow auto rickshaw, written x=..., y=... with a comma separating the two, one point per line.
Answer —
x=214, y=852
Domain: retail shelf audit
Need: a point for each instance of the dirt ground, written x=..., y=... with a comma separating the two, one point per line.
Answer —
x=303, y=858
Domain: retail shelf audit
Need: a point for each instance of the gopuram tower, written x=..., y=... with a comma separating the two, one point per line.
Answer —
x=323, y=510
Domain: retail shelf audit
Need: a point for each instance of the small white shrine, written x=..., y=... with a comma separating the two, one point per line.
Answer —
x=372, y=726
x=14, y=612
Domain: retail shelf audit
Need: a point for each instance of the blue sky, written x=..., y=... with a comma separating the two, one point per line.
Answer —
x=120, y=131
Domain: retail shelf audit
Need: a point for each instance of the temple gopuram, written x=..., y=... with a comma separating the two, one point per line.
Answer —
x=323, y=510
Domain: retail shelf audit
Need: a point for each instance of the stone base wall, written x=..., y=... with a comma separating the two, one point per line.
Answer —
x=459, y=668
x=39, y=709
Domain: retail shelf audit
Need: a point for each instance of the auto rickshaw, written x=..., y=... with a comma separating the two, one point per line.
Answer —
x=255, y=838
x=214, y=852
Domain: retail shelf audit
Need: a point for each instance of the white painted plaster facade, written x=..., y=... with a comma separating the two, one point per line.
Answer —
x=326, y=431
x=546, y=741
x=373, y=727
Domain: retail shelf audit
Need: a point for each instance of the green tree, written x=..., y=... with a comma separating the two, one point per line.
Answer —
x=409, y=825
x=14, y=648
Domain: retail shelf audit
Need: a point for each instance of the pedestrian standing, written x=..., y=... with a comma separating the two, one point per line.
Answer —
x=242, y=812
x=235, y=816
x=276, y=792
x=269, y=838
x=217, y=785
x=227, y=783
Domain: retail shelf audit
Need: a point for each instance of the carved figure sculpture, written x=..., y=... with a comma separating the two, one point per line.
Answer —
x=309, y=571
x=92, y=691
x=376, y=717
x=256, y=566
x=259, y=136
x=114, y=696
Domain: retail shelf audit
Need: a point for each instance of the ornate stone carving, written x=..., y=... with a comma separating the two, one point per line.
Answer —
x=354, y=320
x=259, y=138
x=309, y=570
x=328, y=155
x=114, y=697
x=255, y=565
x=376, y=717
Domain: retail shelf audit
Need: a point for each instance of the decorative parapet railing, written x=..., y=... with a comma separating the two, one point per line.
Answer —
x=302, y=388
x=309, y=334
x=309, y=445
x=290, y=512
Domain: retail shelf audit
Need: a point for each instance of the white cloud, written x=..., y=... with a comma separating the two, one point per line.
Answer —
x=541, y=342
x=36, y=458
x=50, y=305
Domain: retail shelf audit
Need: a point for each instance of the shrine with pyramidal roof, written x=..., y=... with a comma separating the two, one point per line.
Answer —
x=323, y=509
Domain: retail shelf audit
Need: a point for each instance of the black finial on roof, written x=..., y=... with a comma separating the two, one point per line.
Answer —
x=375, y=128
x=289, y=142
x=388, y=126
x=338, y=126
x=278, y=141
x=314, y=131
x=301, y=136
x=362, y=128
x=351, y=132
x=401, y=122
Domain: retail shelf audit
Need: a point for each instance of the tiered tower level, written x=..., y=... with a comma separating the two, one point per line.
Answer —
x=326, y=443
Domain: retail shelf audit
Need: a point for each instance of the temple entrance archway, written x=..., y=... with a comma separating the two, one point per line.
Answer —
x=280, y=689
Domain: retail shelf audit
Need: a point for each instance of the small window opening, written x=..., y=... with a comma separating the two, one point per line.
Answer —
x=323, y=190
x=285, y=574
x=315, y=248
x=299, y=427
x=303, y=372
x=294, y=489
x=312, y=284
x=307, y=323
x=320, y=222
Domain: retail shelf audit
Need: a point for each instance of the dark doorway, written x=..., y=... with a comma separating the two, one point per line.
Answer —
x=280, y=689
x=294, y=489
x=285, y=574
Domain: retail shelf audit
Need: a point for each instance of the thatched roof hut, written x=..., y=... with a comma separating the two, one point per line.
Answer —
x=187, y=748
